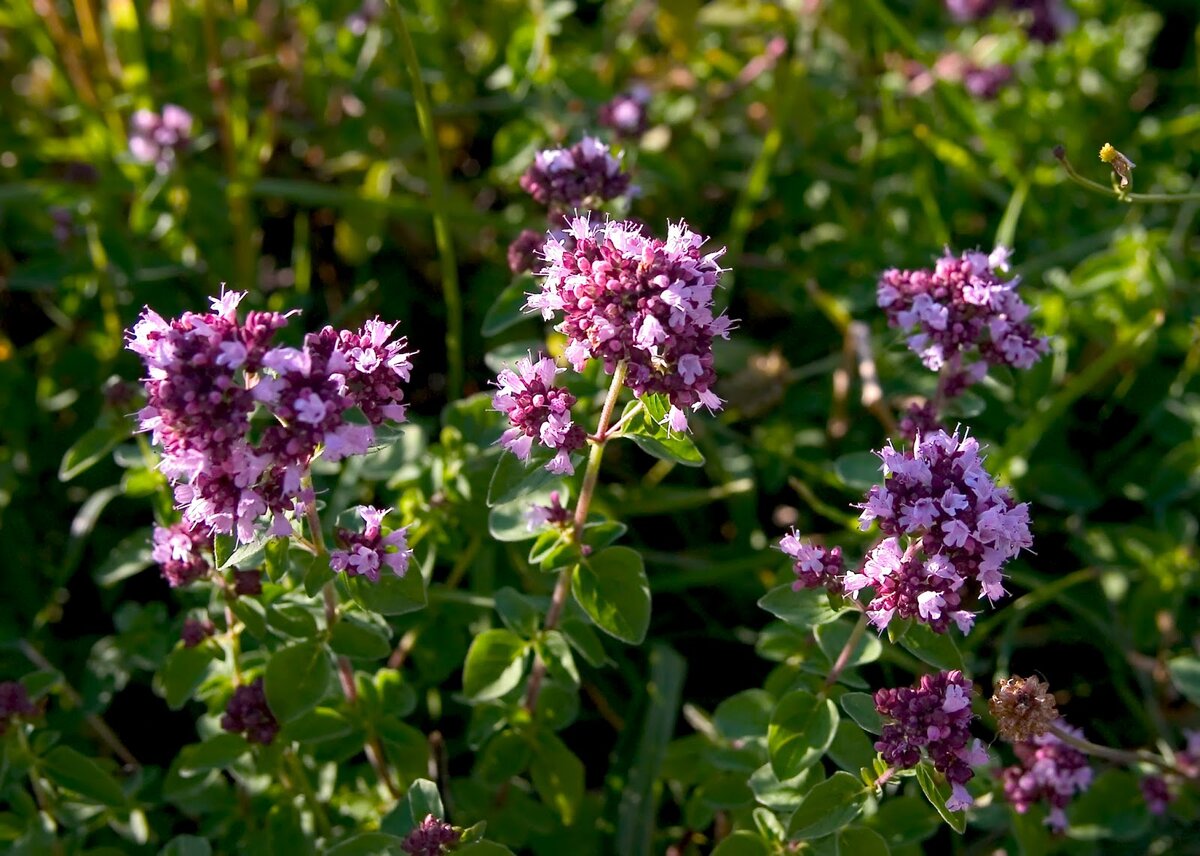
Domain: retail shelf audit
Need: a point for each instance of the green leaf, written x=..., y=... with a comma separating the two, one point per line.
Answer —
x=508, y=310
x=585, y=641
x=423, y=800
x=557, y=776
x=186, y=845
x=519, y=613
x=253, y=614
x=801, y=729
x=832, y=638
x=216, y=752
x=359, y=638
x=936, y=649
x=483, y=848
x=859, y=470
x=317, y=726
x=292, y=619
x=783, y=796
x=556, y=653
x=509, y=521
x=296, y=680
x=850, y=749
x=861, y=707
x=89, y=449
x=131, y=556
x=367, y=844
x=182, y=672
x=495, y=664
x=514, y=478
x=392, y=595
x=1185, y=675
x=76, y=772
x=317, y=575
x=804, y=609
x=828, y=807
x=937, y=792
x=745, y=716
x=248, y=555
x=612, y=588
x=647, y=430
x=506, y=755
x=742, y=843
x=860, y=841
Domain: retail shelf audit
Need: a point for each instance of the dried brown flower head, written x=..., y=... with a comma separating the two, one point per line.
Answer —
x=1023, y=708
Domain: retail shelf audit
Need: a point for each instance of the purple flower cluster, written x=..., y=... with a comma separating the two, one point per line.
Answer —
x=1048, y=771
x=933, y=716
x=247, y=713
x=1048, y=19
x=247, y=583
x=195, y=631
x=961, y=308
x=14, y=703
x=179, y=550
x=1156, y=789
x=523, y=251
x=959, y=527
x=630, y=297
x=157, y=138
x=432, y=837
x=815, y=566
x=586, y=174
x=625, y=114
x=1157, y=793
x=555, y=514
x=364, y=553
x=538, y=410
x=206, y=374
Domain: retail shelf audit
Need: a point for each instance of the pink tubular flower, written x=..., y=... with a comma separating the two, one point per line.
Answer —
x=179, y=552
x=1050, y=771
x=538, y=411
x=814, y=566
x=932, y=718
x=364, y=553
x=958, y=525
x=586, y=172
x=962, y=309
x=158, y=138
x=625, y=296
x=206, y=373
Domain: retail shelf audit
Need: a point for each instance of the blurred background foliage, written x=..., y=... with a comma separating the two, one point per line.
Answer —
x=809, y=137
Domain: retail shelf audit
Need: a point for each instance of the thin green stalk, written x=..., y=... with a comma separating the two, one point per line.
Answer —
x=1119, y=756
x=300, y=777
x=562, y=587
x=437, y=192
x=1117, y=193
x=843, y=658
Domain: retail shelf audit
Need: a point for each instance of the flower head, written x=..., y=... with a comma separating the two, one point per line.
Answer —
x=555, y=514
x=179, y=551
x=625, y=114
x=962, y=310
x=932, y=719
x=1023, y=708
x=814, y=565
x=570, y=178
x=248, y=713
x=958, y=525
x=432, y=837
x=1121, y=165
x=628, y=297
x=14, y=704
x=157, y=138
x=523, y=251
x=1050, y=771
x=538, y=411
x=365, y=553
x=195, y=631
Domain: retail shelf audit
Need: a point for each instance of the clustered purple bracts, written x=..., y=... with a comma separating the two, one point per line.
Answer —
x=625, y=114
x=432, y=837
x=247, y=713
x=961, y=309
x=195, y=631
x=629, y=297
x=959, y=526
x=179, y=552
x=585, y=174
x=1157, y=789
x=364, y=553
x=158, y=138
x=815, y=566
x=247, y=583
x=523, y=251
x=14, y=704
x=207, y=372
x=933, y=716
x=538, y=411
x=1050, y=771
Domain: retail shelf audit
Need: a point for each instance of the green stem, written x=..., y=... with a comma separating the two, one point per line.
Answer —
x=562, y=587
x=300, y=777
x=437, y=192
x=1115, y=193
x=843, y=658
x=1119, y=756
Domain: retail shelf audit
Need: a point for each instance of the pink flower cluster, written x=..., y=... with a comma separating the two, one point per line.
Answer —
x=625, y=114
x=247, y=713
x=587, y=173
x=364, y=553
x=157, y=138
x=179, y=550
x=538, y=411
x=1157, y=789
x=207, y=372
x=958, y=526
x=815, y=566
x=933, y=718
x=1048, y=771
x=626, y=296
x=432, y=837
x=962, y=309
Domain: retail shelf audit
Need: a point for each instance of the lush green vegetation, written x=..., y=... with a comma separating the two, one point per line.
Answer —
x=619, y=688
